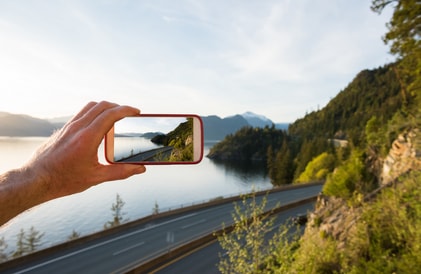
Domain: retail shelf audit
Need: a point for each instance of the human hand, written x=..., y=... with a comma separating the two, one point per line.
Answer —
x=68, y=162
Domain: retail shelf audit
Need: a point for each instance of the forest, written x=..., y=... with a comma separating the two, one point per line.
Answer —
x=365, y=144
x=373, y=95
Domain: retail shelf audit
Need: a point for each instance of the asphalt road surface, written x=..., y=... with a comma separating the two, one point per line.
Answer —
x=150, y=155
x=117, y=253
x=205, y=260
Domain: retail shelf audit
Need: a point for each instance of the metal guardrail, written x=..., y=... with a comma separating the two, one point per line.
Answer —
x=165, y=256
x=162, y=214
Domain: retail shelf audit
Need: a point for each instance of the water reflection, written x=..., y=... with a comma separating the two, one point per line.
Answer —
x=169, y=186
x=247, y=171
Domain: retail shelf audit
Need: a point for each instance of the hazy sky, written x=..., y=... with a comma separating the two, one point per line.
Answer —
x=278, y=58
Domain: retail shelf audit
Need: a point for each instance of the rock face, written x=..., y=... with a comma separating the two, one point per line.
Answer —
x=405, y=155
x=333, y=217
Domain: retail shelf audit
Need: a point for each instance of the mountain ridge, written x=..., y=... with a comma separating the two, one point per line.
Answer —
x=215, y=127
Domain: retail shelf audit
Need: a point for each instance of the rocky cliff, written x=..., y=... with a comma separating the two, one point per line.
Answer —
x=405, y=155
x=336, y=218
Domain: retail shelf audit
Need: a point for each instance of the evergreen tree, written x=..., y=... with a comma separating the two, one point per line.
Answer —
x=285, y=169
x=75, y=235
x=33, y=240
x=404, y=35
x=27, y=243
x=20, y=244
x=117, y=212
x=155, y=209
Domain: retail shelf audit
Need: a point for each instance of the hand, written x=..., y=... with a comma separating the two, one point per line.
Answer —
x=67, y=163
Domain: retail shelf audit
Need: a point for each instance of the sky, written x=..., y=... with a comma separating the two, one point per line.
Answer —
x=148, y=124
x=277, y=58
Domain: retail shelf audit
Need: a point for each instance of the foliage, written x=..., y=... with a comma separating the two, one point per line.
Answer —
x=370, y=112
x=180, y=139
x=155, y=209
x=75, y=235
x=318, y=168
x=285, y=243
x=346, y=178
x=117, y=213
x=280, y=165
x=317, y=253
x=371, y=93
x=245, y=247
x=27, y=242
x=376, y=136
x=386, y=240
x=248, y=144
x=389, y=231
x=404, y=36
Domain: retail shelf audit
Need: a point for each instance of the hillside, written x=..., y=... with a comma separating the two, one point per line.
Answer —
x=181, y=139
x=215, y=128
x=374, y=92
x=366, y=146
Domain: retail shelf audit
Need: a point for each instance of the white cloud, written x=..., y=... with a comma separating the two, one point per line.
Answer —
x=278, y=57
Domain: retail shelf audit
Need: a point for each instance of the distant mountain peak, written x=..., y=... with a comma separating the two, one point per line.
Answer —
x=256, y=120
x=252, y=115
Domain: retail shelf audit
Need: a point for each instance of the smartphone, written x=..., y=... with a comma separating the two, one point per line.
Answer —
x=156, y=139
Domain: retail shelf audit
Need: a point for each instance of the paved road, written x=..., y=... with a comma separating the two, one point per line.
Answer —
x=116, y=253
x=150, y=155
x=204, y=260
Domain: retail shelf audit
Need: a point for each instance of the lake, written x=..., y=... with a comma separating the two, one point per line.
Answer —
x=87, y=212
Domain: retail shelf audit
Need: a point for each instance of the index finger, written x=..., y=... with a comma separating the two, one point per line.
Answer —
x=106, y=119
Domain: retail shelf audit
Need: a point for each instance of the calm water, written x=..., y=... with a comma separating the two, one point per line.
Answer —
x=125, y=147
x=87, y=212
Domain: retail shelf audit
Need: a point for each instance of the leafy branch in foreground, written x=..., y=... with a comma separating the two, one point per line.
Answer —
x=247, y=247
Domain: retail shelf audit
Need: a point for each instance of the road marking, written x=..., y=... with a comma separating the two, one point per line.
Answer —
x=128, y=248
x=193, y=224
x=103, y=243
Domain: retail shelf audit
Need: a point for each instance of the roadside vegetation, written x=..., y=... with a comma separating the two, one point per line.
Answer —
x=363, y=223
x=181, y=139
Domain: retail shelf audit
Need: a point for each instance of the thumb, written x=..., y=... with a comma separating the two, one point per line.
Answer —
x=121, y=171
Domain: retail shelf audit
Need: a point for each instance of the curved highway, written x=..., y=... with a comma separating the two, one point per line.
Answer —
x=118, y=252
x=205, y=260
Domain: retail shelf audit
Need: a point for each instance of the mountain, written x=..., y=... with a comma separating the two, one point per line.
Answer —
x=216, y=128
x=256, y=120
x=23, y=125
x=372, y=93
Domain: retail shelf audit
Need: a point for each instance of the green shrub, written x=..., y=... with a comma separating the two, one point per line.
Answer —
x=346, y=178
x=318, y=168
x=389, y=232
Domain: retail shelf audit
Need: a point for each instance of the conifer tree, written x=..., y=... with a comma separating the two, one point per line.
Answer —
x=117, y=212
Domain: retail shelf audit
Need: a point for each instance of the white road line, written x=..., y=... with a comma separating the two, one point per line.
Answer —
x=102, y=243
x=193, y=224
x=127, y=249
